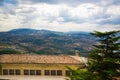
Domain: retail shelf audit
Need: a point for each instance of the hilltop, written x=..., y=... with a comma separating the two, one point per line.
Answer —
x=46, y=42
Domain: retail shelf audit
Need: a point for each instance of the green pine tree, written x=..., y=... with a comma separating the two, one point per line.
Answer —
x=105, y=59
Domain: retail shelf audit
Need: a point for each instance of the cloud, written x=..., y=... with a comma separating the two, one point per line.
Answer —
x=69, y=2
x=109, y=2
x=5, y=2
x=9, y=23
x=60, y=15
x=108, y=27
x=8, y=6
x=73, y=2
x=113, y=21
x=110, y=16
x=113, y=10
x=63, y=13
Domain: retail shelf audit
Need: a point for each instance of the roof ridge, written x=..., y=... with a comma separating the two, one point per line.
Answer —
x=38, y=59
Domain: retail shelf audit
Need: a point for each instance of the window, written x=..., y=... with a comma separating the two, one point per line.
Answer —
x=53, y=72
x=67, y=72
x=5, y=72
x=11, y=71
x=32, y=72
x=17, y=72
x=38, y=72
x=26, y=72
x=59, y=72
x=47, y=72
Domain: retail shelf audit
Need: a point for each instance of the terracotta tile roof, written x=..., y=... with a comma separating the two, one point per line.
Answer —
x=23, y=58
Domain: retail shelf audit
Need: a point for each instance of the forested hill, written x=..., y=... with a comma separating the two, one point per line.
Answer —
x=45, y=42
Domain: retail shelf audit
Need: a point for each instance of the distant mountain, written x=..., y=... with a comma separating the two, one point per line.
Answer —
x=46, y=42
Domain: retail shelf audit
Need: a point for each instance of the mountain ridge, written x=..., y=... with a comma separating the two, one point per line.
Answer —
x=47, y=42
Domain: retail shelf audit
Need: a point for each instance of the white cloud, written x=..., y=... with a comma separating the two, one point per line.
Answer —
x=113, y=10
x=85, y=10
x=60, y=17
x=8, y=21
x=108, y=27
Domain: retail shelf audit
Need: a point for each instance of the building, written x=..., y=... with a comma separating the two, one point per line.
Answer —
x=41, y=65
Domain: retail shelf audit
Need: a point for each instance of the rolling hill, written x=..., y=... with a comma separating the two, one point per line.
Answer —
x=45, y=42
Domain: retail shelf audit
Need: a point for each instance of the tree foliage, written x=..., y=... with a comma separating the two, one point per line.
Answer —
x=104, y=61
x=80, y=74
x=9, y=51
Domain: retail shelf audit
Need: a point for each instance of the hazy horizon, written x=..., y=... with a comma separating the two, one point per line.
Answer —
x=60, y=15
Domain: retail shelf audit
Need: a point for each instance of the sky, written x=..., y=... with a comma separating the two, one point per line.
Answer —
x=60, y=15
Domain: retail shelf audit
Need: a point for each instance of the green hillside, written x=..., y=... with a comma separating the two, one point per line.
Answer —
x=46, y=42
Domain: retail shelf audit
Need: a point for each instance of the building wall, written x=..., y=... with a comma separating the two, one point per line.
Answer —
x=33, y=67
x=0, y=69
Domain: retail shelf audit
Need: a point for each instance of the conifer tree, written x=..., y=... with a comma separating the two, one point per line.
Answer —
x=105, y=59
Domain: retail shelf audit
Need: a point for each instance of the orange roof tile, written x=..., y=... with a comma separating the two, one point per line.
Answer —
x=23, y=58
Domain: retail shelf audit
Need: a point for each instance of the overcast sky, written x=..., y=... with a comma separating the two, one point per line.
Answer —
x=60, y=15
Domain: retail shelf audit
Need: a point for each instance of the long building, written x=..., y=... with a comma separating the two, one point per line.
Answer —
x=41, y=65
